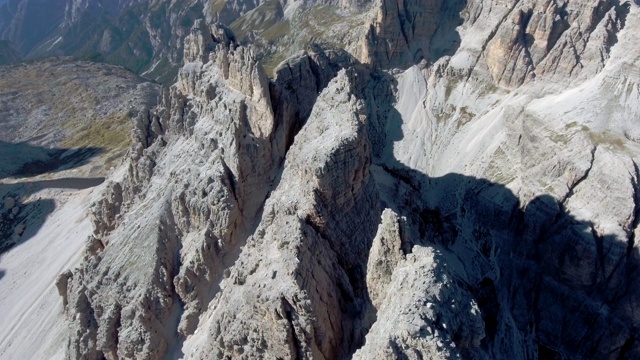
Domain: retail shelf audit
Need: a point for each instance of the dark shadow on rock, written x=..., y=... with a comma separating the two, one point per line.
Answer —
x=547, y=284
x=65, y=183
x=2, y=272
x=19, y=220
x=26, y=160
x=20, y=227
x=446, y=40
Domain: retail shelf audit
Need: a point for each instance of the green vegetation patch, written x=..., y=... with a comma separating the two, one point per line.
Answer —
x=271, y=62
x=260, y=20
x=110, y=133
x=217, y=6
x=280, y=29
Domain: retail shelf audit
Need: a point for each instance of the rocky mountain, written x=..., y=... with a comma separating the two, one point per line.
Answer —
x=65, y=126
x=59, y=114
x=63, y=102
x=371, y=180
x=145, y=36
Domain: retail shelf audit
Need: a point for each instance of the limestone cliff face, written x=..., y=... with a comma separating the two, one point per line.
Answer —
x=527, y=39
x=549, y=38
x=213, y=144
x=402, y=33
x=198, y=216
x=312, y=242
x=481, y=203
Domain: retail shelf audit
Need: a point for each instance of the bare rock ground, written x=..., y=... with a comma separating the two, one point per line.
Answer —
x=65, y=126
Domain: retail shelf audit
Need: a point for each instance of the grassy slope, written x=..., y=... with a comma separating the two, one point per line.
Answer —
x=71, y=104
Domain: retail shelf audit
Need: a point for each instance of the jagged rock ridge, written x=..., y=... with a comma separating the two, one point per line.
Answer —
x=456, y=206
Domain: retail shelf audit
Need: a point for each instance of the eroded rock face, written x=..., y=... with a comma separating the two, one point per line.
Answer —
x=312, y=245
x=432, y=308
x=402, y=33
x=464, y=207
x=539, y=38
x=385, y=254
x=217, y=179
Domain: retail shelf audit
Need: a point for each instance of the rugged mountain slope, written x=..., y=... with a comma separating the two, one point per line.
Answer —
x=459, y=181
x=146, y=36
x=61, y=102
x=65, y=126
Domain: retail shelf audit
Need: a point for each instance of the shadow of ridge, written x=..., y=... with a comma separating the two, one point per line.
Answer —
x=74, y=183
x=21, y=221
x=534, y=271
x=18, y=228
x=26, y=160
x=293, y=102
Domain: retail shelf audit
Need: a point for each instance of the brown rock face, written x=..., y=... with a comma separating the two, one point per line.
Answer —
x=549, y=38
x=403, y=33
x=394, y=38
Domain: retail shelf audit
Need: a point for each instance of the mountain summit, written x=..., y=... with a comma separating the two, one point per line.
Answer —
x=379, y=179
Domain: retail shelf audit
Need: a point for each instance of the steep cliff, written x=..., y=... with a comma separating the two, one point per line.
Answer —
x=456, y=184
